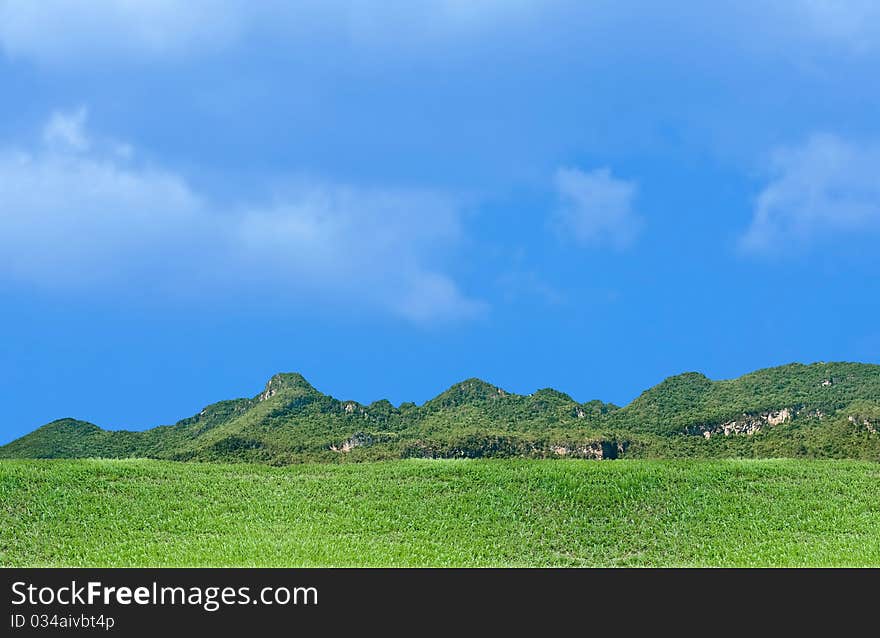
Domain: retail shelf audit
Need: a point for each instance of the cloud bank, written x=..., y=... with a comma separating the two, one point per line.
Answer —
x=66, y=32
x=826, y=187
x=55, y=31
x=61, y=32
x=78, y=212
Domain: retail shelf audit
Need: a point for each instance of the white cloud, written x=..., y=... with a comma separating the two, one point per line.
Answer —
x=67, y=130
x=66, y=31
x=596, y=208
x=72, y=217
x=433, y=296
x=370, y=244
x=825, y=187
x=56, y=31
x=854, y=24
x=69, y=216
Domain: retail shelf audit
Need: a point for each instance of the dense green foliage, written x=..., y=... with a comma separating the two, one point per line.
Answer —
x=691, y=398
x=440, y=513
x=821, y=410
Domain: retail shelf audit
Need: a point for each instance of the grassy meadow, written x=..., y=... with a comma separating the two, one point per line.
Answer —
x=440, y=513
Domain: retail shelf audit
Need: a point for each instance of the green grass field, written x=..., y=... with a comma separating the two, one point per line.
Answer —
x=440, y=513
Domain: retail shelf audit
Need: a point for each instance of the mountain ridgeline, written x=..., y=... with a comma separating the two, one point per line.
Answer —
x=823, y=410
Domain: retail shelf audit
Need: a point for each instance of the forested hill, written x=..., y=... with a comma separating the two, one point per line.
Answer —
x=819, y=410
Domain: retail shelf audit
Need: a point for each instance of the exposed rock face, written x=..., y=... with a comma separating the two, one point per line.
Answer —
x=748, y=424
x=506, y=447
x=776, y=418
x=355, y=440
x=869, y=425
x=596, y=450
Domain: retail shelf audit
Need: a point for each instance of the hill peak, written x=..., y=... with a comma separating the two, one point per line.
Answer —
x=471, y=390
x=70, y=424
x=695, y=380
x=286, y=381
x=676, y=390
x=552, y=394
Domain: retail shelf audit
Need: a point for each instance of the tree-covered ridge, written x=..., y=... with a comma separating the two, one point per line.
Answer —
x=691, y=398
x=818, y=410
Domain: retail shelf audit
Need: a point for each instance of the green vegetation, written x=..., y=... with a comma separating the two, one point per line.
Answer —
x=823, y=410
x=426, y=505
x=440, y=512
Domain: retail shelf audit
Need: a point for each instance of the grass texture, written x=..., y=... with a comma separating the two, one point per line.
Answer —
x=99, y=513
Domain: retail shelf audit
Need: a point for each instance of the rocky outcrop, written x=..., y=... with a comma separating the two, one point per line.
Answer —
x=291, y=382
x=747, y=424
x=865, y=422
x=355, y=440
x=491, y=446
x=596, y=450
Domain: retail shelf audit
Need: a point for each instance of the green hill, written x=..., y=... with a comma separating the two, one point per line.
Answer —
x=820, y=410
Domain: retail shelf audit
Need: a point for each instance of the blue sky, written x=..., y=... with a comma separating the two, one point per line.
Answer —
x=389, y=197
